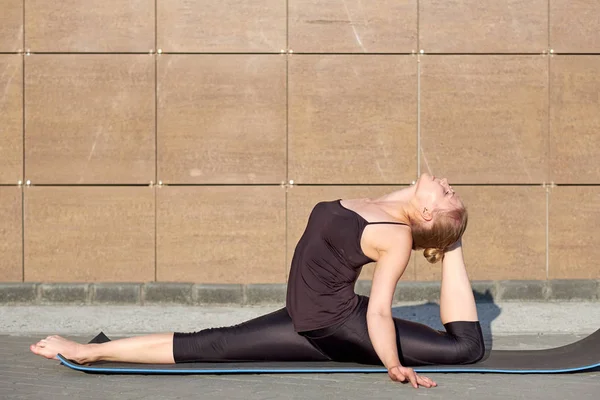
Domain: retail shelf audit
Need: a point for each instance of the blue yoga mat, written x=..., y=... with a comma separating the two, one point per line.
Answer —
x=583, y=355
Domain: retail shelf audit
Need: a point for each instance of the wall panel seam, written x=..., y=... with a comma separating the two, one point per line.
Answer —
x=155, y=139
x=154, y=51
x=22, y=235
x=287, y=137
x=305, y=184
x=59, y=53
x=155, y=234
x=23, y=94
x=23, y=148
x=477, y=54
x=547, y=233
x=333, y=53
x=301, y=184
x=549, y=22
x=287, y=118
x=306, y=53
x=23, y=26
x=548, y=148
x=286, y=235
x=418, y=116
x=418, y=25
x=549, y=174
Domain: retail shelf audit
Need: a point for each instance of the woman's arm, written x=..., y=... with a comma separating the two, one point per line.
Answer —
x=390, y=266
x=388, y=270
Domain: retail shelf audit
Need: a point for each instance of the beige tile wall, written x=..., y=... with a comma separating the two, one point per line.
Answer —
x=384, y=26
x=225, y=101
x=89, y=234
x=352, y=119
x=484, y=119
x=220, y=234
x=11, y=118
x=11, y=233
x=84, y=26
x=221, y=26
x=11, y=25
x=574, y=26
x=483, y=26
x=222, y=118
x=90, y=119
x=573, y=234
x=575, y=119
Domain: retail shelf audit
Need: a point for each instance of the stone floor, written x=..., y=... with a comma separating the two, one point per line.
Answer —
x=26, y=376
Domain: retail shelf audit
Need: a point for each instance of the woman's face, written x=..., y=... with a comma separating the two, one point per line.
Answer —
x=435, y=193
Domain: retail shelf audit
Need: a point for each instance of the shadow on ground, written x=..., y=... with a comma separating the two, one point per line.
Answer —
x=429, y=314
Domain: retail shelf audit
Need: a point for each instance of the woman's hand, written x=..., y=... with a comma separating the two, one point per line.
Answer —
x=404, y=374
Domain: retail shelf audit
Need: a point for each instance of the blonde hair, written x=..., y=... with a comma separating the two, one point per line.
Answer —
x=446, y=229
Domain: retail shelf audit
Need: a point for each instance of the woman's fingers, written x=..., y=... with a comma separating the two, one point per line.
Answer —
x=426, y=382
x=412, y=377
x=403, y=374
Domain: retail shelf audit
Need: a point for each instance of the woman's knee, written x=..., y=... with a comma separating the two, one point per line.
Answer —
x=470, y=346
x=470, y=350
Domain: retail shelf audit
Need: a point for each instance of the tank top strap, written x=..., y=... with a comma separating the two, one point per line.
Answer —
x=386, y=222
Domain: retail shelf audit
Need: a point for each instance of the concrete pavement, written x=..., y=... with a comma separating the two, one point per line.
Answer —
x=507, y=326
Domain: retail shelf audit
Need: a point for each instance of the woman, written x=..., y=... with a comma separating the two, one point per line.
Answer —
x=324, y=319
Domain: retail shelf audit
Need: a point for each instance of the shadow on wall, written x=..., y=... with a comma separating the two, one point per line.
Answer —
x=429, y=314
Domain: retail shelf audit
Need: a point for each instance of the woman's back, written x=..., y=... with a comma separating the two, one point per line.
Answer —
x=326, y=264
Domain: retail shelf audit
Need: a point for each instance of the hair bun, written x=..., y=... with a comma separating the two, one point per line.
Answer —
x=433, y=255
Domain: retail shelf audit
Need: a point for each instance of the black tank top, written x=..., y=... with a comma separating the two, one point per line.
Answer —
x=325, y=266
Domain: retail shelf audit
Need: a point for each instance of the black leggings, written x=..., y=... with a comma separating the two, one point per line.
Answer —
x=272, y=338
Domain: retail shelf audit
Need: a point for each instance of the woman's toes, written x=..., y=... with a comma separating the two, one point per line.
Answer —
x=53, y=345
x=42, y=351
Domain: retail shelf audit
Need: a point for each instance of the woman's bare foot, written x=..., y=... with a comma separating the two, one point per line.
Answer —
x=53, y=345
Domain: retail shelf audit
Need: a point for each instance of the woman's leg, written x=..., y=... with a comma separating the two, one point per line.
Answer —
x=462, y=343
x=418, y=344
x=270, y=337
x=149, y=349
x=457, y=302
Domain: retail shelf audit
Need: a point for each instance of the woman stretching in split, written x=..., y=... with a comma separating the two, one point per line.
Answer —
x=324, y=319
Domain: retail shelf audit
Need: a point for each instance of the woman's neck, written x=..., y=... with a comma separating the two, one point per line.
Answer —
x=399, y=204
